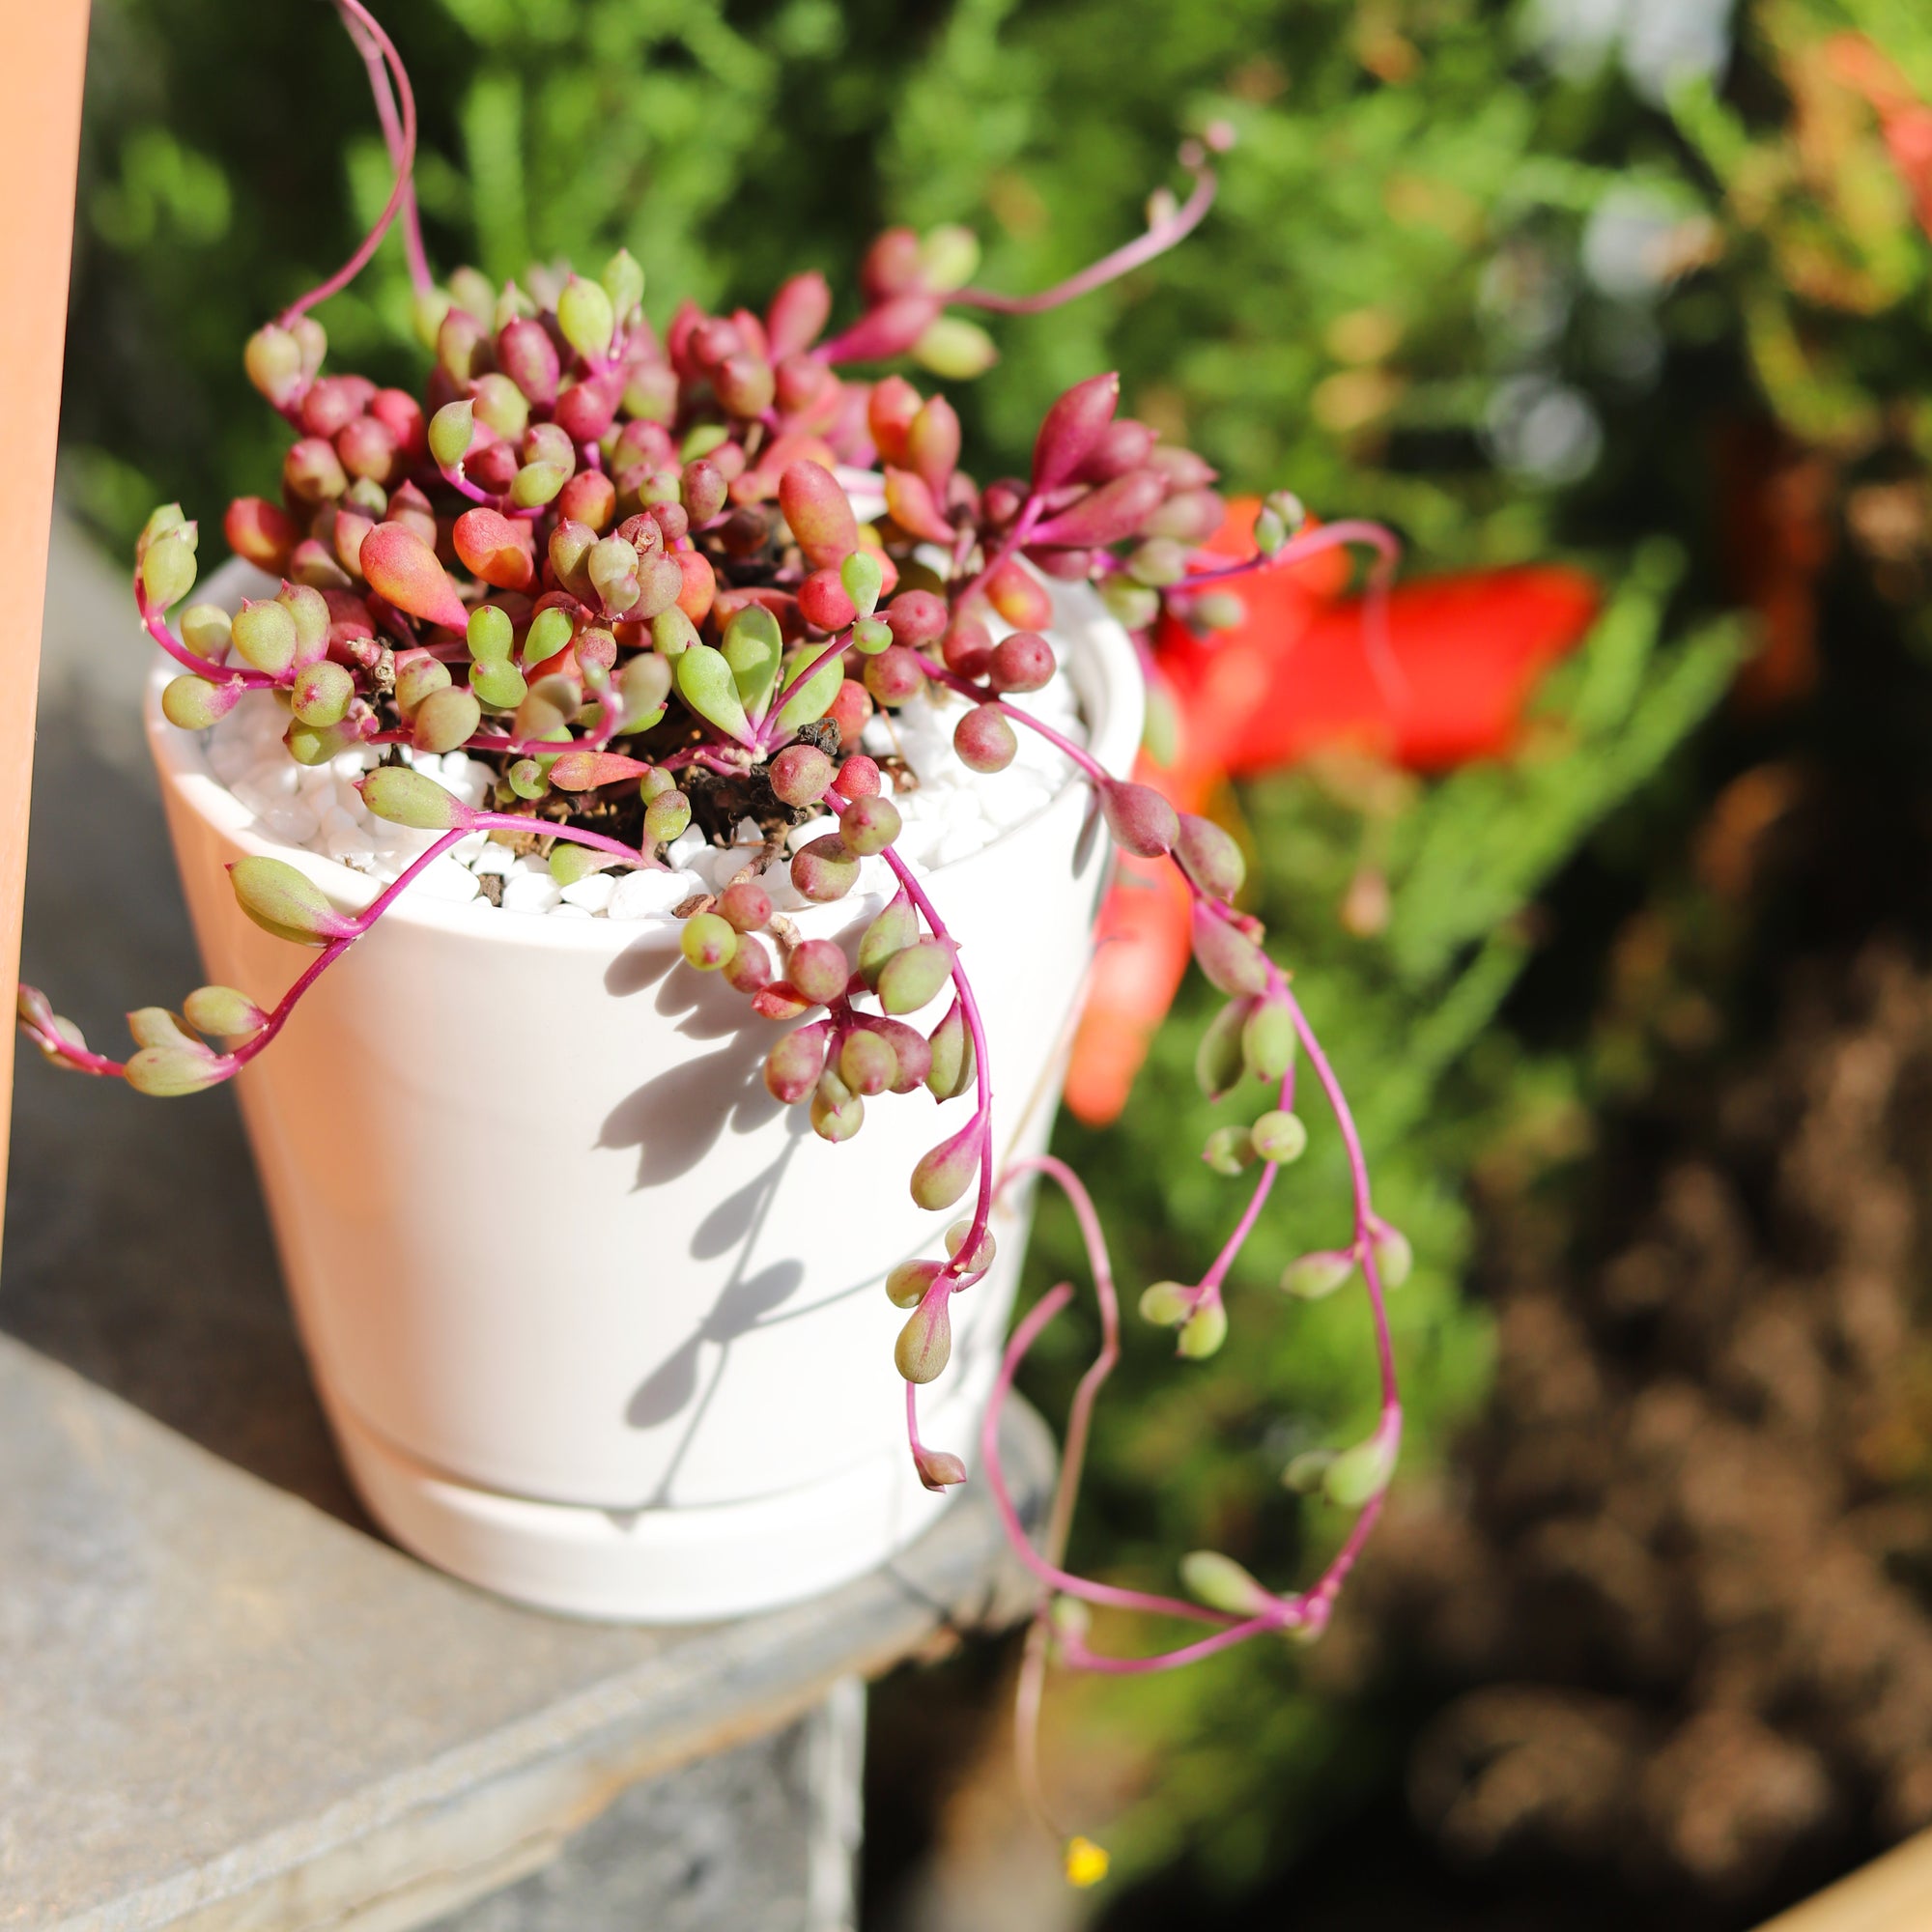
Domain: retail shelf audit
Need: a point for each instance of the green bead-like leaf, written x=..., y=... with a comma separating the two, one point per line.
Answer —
x=915, y=976
x=1230, y=958
x=549, y=633
x=906, y=1285
x=953, y=1059
x=156, y=1026
x=286, y=902
x=569, y=863
x=673, y=633
x=322, y=694
x=536, y=484
x=207, y=629
x=1311, y=1277
x=451, y=431
x=415, y=678
x=1358, y=1475
x=708, y=941
x=1229, y=1150
x=1203, y=1332
x=862, y=577
x=587, y=316
x=264, y=636
x=707, y=686
x=1269, y=1042
x=1217, y=1059
x=889, y=934
x=1304, y=1474
x=1166, y=1304
x=982, y=1256
x=834, y=1120
x=222, y=1013
x=667, y=817
x=446, y=719
x=167, y=569
x=1220, y=1583
x=1395, y=1259
x=497, y=683
x=309, y=609
x=813, y=698
x=194, y=705
x=642, y=686
x=164, y=1072
x=925, y=1343
x=1209, y=856
x=317, y=744
x=1279, y=1136
x=945, y=1173
x=623, y=282
x=405, y=797
x=491, y=635
x=752, y=647
x=955, y=348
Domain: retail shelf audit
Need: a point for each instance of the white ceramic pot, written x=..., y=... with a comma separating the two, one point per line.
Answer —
x=598, y=1324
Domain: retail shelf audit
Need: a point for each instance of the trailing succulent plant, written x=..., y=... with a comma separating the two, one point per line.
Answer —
x=627, y=573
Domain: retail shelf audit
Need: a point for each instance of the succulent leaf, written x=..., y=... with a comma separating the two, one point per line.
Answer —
x=286, y=902
x=707, y=686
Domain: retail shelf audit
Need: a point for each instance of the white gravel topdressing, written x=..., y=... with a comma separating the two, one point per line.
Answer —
x=950, y=815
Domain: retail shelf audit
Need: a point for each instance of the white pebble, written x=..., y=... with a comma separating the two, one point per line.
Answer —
x=229, y=756
x=569, y=911
x=493, y=857
x=293, y=823
x=530, y=892
x=445, y=879
x=592, y=893
x=641, y=894
x=350, y=845
x=684, y=848
x=801, y=836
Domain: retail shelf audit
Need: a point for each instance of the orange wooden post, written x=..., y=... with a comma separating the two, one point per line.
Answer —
x=44, y=47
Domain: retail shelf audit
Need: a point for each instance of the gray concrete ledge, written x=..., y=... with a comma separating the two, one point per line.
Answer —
x=222, y=1710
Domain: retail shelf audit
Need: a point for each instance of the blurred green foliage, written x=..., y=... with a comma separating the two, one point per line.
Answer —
x=1496, y=304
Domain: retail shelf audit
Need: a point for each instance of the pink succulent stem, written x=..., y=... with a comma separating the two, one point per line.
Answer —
x=1160, y=237
x=453, y=475
x=982, y=1070
x=214, y=673
x=337, y=948
x=397, y=142
x=984, y=693
x=1376, y=602
x=1080, y=1413
x=510, y=821
x=1365, y=1215
x=358, y=15
x=768, y=732
x=1050, y=1573
x=1031, y=512
x=82, y=1059
x=1073, y=1650
x=1309, y=1609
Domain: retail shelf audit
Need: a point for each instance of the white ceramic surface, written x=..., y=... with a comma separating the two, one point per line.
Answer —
x=599, y=1324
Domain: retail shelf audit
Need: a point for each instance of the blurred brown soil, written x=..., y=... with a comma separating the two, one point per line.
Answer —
x=1679, y=1584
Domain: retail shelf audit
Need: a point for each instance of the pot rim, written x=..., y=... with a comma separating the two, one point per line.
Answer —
x=1101, y=660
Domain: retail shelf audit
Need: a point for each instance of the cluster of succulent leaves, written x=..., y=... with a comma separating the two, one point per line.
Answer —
x=1401, y=238
x=623, y=571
